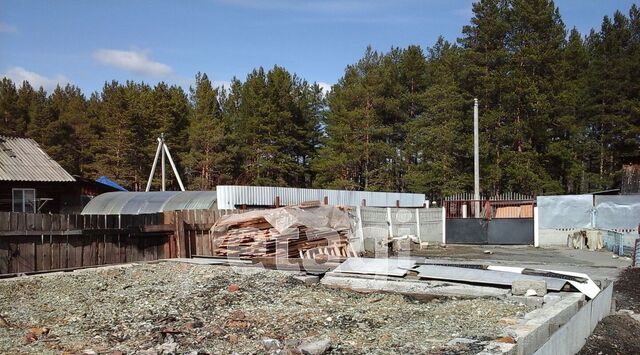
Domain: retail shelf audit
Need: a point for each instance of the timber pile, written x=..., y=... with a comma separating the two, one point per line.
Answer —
x=255, y=237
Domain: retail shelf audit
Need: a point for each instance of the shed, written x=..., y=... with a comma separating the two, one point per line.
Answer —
x=31, y=181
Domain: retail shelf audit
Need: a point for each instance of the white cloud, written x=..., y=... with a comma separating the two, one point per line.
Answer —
x=133, y=61
x=324, y=86
x=7, y=28
x=19, y=74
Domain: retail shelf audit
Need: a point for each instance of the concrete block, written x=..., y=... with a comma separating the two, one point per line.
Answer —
x=520, y=287
x=527, y=301
x=530, y=337
x=555, y=315
x=551, y=298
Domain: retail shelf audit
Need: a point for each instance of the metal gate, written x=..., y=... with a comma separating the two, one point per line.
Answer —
x=489, y=222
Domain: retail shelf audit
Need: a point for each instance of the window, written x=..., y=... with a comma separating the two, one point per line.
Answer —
x=24, y=200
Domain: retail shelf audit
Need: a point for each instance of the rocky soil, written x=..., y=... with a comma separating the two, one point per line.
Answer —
x=174, y=307
x=618, y=333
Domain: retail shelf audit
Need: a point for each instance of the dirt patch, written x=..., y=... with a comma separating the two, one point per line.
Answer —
x=627, y=289
x=183, y=308
x=617, y=334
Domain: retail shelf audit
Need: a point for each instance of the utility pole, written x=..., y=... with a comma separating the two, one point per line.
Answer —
x=476, y=159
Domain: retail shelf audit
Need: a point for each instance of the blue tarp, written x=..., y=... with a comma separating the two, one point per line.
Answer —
x=106, y=181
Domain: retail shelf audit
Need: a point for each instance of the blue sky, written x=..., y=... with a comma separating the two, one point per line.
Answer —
x=89, y=42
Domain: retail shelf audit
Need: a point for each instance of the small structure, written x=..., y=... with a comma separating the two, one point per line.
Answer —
x=30, y=181
x=135, y=203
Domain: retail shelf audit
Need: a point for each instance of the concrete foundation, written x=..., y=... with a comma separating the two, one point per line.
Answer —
x=370, y=283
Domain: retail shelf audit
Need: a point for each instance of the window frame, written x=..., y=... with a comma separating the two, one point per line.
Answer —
x=23, y=191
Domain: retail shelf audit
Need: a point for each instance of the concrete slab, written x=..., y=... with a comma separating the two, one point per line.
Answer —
x=461, y=274
x=600, y=265
x=370, y=283
x=378, y=266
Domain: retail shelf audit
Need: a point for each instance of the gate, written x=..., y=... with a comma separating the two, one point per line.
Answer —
x=499, y=222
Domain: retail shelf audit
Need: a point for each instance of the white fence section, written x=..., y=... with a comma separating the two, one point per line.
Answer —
x=377, y=226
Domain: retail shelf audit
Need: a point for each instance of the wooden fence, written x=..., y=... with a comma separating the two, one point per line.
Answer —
x=44, y=242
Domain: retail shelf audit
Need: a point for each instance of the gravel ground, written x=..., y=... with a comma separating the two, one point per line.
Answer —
x=175, y=307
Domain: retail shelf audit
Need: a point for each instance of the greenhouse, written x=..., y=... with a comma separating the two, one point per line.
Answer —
x=133, y=203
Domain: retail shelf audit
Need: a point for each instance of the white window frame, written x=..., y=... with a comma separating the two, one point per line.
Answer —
x=23, y=190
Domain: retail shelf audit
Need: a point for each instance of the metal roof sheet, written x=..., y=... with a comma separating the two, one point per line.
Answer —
x=231, y=196
x=21, y=159
x=134, y=203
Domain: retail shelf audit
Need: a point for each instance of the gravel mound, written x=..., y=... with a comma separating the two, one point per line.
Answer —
x=199, y=309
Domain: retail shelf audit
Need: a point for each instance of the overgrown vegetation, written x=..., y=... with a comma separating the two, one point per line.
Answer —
x=560, y=112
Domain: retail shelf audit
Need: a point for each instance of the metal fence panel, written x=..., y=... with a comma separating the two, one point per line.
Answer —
x=511, y=231
x=569, y=211
x=467, y=231
x=617, y=212
x=231, y=196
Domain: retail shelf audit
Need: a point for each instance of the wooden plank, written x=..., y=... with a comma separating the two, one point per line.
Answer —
x=64, y=222
x=45, y=253
x=55, y=222
x=13, y=221
x=14, y=254
x=5, y=221
x=157, y=228
x=5, y=253
x=55, y=251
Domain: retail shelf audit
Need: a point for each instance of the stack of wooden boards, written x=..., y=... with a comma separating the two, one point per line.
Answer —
x=252, y=236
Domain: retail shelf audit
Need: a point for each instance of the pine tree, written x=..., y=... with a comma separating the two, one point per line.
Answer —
x=10, y=115
x=357, y=149
x=440, y=135
x=208, y=160
x=612, y=98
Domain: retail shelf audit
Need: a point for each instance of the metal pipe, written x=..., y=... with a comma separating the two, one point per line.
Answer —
x=476, y=158
x=164, y=183
x=173, y=166
x=153, y=167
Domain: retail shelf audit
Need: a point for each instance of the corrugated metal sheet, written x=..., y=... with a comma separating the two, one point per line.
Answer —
x=21, y=159
x=134, y=203
x=231, y=196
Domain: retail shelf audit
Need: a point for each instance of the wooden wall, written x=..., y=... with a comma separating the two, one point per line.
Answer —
x=44, y=242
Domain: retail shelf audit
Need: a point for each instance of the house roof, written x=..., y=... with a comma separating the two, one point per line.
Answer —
x=22, y=159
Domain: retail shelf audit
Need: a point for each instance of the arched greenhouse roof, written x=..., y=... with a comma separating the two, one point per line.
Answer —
x=134, y=203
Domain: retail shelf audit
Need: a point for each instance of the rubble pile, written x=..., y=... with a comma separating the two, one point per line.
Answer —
x=173, y=307
x=287, y=232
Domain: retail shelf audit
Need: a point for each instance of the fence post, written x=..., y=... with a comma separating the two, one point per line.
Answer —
x=418, y=226
x=390, y=223
x=444, y=226
x=360, y=228
x=536, y=232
